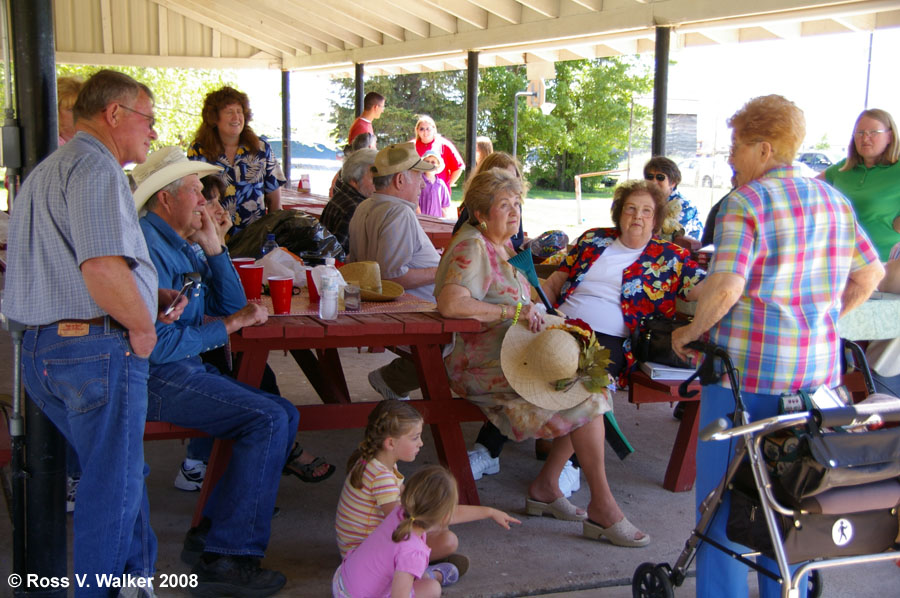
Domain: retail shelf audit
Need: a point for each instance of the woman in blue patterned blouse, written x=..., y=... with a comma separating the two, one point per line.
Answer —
x=252, y=176
x=681, y=217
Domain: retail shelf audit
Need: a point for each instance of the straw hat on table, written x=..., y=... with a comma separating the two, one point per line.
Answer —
x=371, y=285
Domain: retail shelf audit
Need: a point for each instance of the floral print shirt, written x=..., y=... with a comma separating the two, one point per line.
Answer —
x=649, y=285
x=253, y=174
x=681, y=214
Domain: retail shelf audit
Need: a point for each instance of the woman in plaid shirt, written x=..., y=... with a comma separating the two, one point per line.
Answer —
x=790, y=259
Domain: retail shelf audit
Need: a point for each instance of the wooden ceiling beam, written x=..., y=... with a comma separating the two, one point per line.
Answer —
x=548, y=8
x=271, y=20
x=508, y=10
x=201, y=13
x=435, y=16
x=462, y=10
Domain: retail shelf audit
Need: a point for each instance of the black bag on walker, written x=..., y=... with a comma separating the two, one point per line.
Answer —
x=843, y=522
x=838, y=459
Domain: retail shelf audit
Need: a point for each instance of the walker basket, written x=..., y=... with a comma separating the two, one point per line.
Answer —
x=839, y=459
x=816, y=531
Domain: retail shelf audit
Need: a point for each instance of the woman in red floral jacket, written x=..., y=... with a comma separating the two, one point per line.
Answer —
x=613, y=277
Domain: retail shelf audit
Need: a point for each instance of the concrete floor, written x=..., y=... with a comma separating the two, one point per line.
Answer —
x=542, y=557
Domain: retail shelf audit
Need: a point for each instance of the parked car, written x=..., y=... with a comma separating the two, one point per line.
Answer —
x=705, y=172
x=815, y=160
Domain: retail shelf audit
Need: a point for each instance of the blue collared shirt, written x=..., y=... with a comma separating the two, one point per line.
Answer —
x=76, y=205
x=220, y=293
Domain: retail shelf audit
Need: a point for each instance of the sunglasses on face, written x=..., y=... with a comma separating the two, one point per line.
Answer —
x=658, y=177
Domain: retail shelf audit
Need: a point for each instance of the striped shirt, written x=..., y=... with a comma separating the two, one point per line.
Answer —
x=359, y=509
x=794, y=241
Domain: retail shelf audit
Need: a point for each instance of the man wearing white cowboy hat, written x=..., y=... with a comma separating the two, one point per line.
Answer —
x=184, y=391
x=385, y=229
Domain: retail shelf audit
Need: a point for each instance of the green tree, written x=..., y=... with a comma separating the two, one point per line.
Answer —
x=179, y=95
x=589, y=127
x=439, y=95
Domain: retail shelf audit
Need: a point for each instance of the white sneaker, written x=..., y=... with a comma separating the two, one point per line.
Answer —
x=71, y=492
x=376, y=380
x=569, y=479
x=482, y=463
x=190, y=475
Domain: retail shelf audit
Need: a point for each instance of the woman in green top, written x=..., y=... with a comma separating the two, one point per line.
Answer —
x=870, y=178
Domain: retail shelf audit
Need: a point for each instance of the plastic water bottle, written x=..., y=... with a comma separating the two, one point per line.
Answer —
x=328, y=291
x=269, y=246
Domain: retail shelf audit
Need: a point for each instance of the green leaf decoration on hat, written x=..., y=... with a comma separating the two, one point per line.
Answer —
x=592, y=361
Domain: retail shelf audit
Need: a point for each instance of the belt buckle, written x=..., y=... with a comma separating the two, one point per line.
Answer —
x=73, y=329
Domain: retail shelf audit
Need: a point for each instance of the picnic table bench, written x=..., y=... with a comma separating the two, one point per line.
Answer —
x=317, y=342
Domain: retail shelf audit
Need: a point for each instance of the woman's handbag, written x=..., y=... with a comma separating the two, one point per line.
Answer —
x=652, y=341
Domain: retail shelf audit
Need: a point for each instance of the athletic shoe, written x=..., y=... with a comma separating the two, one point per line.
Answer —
x=237, y=576
x=71, y=492
x=190, y=475
x=380, y=386
x=482, y=463
x=569, y=480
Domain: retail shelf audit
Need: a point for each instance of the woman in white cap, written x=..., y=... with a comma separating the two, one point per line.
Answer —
x=474, y=280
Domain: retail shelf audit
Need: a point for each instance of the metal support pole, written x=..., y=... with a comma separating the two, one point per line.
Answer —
x=360, y=87
x=471, y=111
x=35, y=81
x=660, y=91
x=516, y=117
x=286, y=126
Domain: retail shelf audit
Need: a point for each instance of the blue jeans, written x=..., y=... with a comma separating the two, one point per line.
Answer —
x=192, y=394
x=717, y=573
x=94, y=389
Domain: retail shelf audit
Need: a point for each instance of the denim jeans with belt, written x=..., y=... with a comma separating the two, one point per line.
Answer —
x=192, y=394
x=717, y=573
x=94, y=389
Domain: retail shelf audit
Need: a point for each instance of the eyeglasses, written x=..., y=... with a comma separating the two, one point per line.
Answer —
x=149, y=117
x=737, y=144
x=870, y=134
x=659, y=177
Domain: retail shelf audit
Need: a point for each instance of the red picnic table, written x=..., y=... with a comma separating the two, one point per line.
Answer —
x=314, y=343
x=439, y=231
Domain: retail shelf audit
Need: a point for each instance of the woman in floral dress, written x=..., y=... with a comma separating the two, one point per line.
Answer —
x=474, y=280
x=252, y=175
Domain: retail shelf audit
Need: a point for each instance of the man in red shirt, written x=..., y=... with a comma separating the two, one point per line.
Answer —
x=373, y=106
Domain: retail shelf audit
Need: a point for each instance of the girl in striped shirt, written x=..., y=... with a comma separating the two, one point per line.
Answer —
x=372, y=489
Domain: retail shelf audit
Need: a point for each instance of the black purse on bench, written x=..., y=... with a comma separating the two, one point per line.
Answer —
x=652, y=341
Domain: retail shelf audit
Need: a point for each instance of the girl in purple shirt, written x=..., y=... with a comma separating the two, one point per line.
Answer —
x=393, y=560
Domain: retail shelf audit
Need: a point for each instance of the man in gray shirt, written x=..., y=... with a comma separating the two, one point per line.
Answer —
x=81, y=279
x=384, y=229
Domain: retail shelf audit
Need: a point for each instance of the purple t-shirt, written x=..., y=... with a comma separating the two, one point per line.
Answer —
x=434, y=197
x=368, y=569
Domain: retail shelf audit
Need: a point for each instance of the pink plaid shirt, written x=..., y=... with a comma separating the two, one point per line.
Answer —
x=794, y=241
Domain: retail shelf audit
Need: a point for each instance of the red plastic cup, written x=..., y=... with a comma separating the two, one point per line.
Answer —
x=281, y=288
x=242, y=261
x=311, y=286
x=251, y=279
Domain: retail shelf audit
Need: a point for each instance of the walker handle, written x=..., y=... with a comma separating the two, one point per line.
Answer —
x=713, y=428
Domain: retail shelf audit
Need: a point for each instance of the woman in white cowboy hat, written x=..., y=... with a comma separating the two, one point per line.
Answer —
x=474, y=280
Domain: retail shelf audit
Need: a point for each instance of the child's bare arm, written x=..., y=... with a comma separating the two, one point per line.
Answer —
x=401, y=586
x=387, y=507
x=466, y=513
